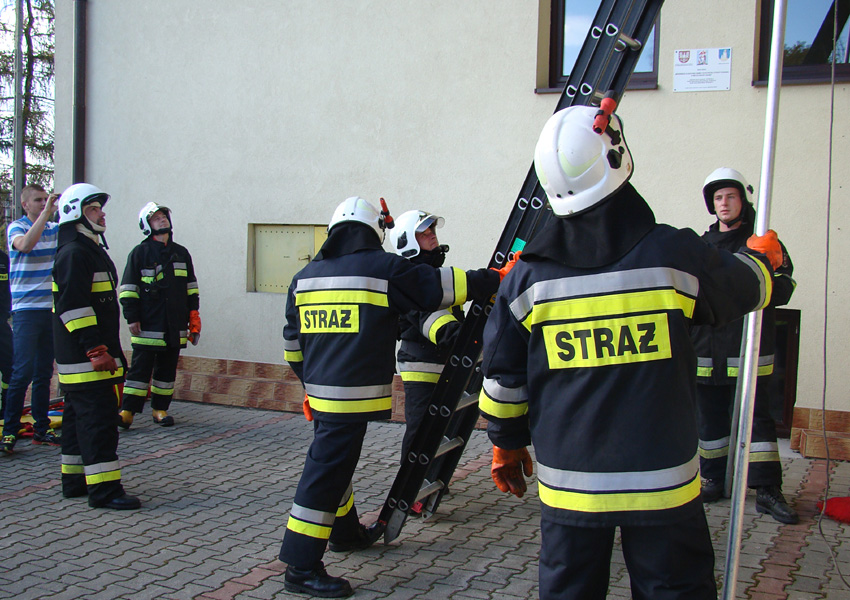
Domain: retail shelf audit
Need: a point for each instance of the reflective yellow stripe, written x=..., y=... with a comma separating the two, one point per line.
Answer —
x=614, y=304
x=501, y=410
x=439, y=323
x=192, y=292
x=73, y=469
x=345, y=508
x=128, y=295
x=351, y=406
x=762, y=370
x=76, y=324
x=309, y=529
x=420, y=376
x=704, y=371
x=55, y=287
x=181, y=273
x=293, y=356
x=715, y=453
x=101, y=286
x=341, y=297
x=103, y=477
x=89, y=376
x=131, y=391
x=461, y=292
x=147, y=341
x=623, y=501
x=161, y=391
x=756, y=457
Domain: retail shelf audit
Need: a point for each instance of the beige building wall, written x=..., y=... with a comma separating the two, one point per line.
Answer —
x=270, y=112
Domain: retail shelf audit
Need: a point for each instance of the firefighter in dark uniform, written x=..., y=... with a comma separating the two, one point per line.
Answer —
x=88, y=351
x=587, y=356
x=341, y=325
x=718, y=357
x=426, y=336
x=159, y=294
x=6, y=356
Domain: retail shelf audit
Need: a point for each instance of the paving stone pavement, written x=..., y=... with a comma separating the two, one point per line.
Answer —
x=216, y=491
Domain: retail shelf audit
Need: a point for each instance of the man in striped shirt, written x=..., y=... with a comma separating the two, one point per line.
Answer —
x=32, y=248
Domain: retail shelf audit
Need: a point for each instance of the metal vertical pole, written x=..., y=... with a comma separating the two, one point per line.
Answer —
x=18, y=121
x=78, y=119
x=745, y=391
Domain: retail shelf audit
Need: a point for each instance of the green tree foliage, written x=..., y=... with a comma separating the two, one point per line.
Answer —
x=37, y=49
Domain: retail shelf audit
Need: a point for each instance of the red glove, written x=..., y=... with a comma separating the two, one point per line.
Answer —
x=308, y=412
x=508, y=467
x=768, y=244
x=194, y=327
x=507, y=267
x=101, y=360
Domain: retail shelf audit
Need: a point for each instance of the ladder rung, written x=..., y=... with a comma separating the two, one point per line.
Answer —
x=429, y=488
x=448, y=445
x=465, y=401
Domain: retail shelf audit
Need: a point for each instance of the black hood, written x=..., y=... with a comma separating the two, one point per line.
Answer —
x=349, y=237
x=598, y=237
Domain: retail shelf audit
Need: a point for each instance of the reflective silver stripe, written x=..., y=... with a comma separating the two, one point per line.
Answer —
x=103, y=467
x=704, y=362
x=421, y=367
x=128, y=288
x=348, y=392
x=342, y=283
x=429, y=322
x=184, y=333
x=101, y=276
x=136, y=385
x=447, y=281
x=72, y=459
x=309, y=515
x=192, y=285
x=588, y=285
x=610, y=482
x=735, y=361
x=347, y=495
x=757, y=269
x=764, y=447
x=86, y=367
x=714, y=444
x=165, y=385
x=77, y=313
x=179, y=265
x=501, y=393
x=291, y=345
x=154, y=335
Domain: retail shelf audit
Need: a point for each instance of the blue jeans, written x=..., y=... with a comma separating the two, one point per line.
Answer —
x=32, y=331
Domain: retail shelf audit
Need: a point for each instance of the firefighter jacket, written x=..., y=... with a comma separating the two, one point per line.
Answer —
x=158, y=290
x=85, y=311
x=5, y=289
x=719, y=348
x=342, y=316
x=587, y=356
x=426, y=342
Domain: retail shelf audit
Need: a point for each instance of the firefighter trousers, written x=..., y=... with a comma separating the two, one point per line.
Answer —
x=154, y=369
x=90, y=445
x=715, y=404
x=417, y=396
x=665, y=562
x=323, y=509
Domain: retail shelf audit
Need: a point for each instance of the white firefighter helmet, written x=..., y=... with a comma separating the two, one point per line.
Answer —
x=358, y=210
x=72, y=201
x=147, y=212
x=577, y=167
x=407, y=225
x=722, y=178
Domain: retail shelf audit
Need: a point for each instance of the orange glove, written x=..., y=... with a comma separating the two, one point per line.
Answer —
x=768, y=244
x=507, y=267
x=308, y=412
x=101, y=360
x=194, y=327
x=508, y=467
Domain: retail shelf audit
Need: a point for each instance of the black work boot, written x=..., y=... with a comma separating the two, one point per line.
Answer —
x=316, y=582
x=712, y=490
x=769, y=500
x=365, y=537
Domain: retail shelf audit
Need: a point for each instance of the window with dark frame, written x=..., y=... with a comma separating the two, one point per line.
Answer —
x=809, y=27
x=571, y=22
